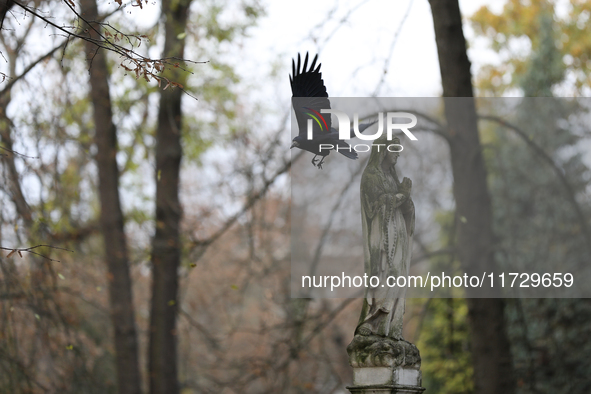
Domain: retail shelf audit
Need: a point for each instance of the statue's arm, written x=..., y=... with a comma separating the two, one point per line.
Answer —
x=408, y=212
x=407, y=207
x=374, y=194
x=403, y=195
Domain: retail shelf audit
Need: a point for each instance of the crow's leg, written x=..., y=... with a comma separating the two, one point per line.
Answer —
x=314, y=160
x=319, y=165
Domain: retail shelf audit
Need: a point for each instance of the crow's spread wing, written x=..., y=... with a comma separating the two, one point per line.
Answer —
x=307, y=82
x=309, y=96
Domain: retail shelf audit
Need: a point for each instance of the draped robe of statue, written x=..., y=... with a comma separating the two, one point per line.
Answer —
x=387, y=213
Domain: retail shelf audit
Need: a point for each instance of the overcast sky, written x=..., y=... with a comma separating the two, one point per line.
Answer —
x=353, y=52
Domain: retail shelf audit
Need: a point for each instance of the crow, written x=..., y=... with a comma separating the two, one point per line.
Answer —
x=5, y=6
x=309, y=97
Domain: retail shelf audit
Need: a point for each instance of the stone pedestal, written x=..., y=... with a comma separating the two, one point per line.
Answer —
x=385, y=389
x=384, y=366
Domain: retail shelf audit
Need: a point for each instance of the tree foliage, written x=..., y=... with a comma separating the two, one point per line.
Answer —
x=234, y=315
x=540, y=214
x=518, y=30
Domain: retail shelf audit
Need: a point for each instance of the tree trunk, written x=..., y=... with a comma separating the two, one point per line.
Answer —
x=491, y=352
x=166, y=248
x=111, y=217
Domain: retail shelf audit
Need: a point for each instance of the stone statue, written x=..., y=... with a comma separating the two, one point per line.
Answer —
x=388, y=217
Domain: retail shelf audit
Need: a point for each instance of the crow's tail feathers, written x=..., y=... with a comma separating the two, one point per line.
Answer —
x=346, y=150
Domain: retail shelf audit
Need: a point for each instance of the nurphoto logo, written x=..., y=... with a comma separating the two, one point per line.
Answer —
x=345, y=132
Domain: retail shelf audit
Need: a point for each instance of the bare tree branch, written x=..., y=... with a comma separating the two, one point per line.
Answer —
x=30, y=250
x=388, y=59
x=211, y=341
x=439, y=129
x=132, y=61
x=544, y=156
x=333, y=212
x=251, y=200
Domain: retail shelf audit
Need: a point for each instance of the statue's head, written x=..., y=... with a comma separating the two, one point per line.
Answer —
x=380, y=152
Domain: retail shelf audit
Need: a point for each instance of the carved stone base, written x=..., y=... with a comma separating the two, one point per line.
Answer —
x=384, y=389
x=384, y=365
x=374, y=380
x=376, y=351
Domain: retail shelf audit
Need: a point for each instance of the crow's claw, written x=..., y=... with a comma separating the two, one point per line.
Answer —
x=315, y=160
x=319, y=165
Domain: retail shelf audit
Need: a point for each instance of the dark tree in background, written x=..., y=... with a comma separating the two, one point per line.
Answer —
x=210, y=278
x=490, y=348
x=166, y=247
x=111, y=216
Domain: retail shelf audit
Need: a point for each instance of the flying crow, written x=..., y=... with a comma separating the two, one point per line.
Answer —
x=309, y=98
x=5, y=6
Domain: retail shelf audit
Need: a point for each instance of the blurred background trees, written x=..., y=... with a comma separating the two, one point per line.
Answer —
x=546, y=334
x=174, y=199
x=538, y=184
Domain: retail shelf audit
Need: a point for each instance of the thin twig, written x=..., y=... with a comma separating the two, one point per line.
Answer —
x=388, y=59
x=141, y=65
x=20, y=251
x=252, y=199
